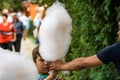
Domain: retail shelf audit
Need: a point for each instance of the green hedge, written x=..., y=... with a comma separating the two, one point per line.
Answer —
x=94, y=27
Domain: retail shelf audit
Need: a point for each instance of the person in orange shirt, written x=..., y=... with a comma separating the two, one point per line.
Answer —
x=7, y=33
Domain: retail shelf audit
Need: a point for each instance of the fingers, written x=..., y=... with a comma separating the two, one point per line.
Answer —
x=56, y=65
x=52, y=67
x=61, y=79
x=54, y=73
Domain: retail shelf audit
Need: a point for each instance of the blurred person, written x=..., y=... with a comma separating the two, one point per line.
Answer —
x=20, y=29
x=37, y=22
x=37, y=16
x=26, y=22
x=6, y=11
x=19, y=13
x=108, y=54
x=14, y=66
x=7, y=33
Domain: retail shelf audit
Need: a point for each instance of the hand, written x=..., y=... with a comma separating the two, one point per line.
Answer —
x=57, y=65
x=52, y=75
x=13, y=40
x=24, y=38
x=61, y=79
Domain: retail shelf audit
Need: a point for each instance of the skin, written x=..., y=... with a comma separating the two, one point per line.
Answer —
x=42, y=15
x=118, y=30
x=44, y=67
x=79, y=63
x=4, y=19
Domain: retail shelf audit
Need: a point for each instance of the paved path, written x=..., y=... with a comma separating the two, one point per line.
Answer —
x=27, y=46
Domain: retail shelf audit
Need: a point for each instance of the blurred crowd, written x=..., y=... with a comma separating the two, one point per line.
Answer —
x=14, y=26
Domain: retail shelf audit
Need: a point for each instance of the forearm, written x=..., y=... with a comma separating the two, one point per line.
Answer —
x=52, y=75
x=14, y=36
x=37, y=31
x=49, y=78
x=81, y=63
x=24, y=33
x=76, y=64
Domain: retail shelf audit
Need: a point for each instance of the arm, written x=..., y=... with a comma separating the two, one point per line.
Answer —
x=23, y=31
x=52, y=75
x=24, y=34
x=14, y=36
x=14, y=33
x=77, y=64
x=37, y=33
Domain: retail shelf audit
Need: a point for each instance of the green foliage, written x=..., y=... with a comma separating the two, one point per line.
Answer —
x=11, y=4
x=94, y=27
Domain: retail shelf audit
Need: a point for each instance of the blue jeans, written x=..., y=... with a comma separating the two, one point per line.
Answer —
x=37, y=41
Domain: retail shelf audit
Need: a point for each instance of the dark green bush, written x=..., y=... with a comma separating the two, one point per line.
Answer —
x=94, y=27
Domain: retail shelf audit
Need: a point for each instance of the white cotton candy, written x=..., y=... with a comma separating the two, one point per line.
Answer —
x=55, y=33
x=14, y=66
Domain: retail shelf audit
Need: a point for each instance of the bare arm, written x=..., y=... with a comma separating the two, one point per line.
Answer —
x=52, y=75
x=77, y=64
x=37, y=33
x=14, y=33
x=24, y=34
x=14, y=36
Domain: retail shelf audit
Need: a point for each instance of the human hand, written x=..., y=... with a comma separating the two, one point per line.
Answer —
x=24, y=38
x=13, y=40
x=61, y=79
x=57, y=65
x=52, y=75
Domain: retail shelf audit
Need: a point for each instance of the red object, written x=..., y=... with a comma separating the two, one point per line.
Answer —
x=6, y=32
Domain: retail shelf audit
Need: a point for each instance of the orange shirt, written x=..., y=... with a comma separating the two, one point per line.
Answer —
x=6, y=32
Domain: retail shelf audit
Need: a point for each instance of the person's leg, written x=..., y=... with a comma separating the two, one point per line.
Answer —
x=37, y=41
x=14, y=45
x=4, y=46
x=9, y=46
x=18, y=43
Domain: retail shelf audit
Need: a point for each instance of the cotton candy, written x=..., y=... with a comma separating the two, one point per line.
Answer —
x=14, y=66
x=55, y=33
